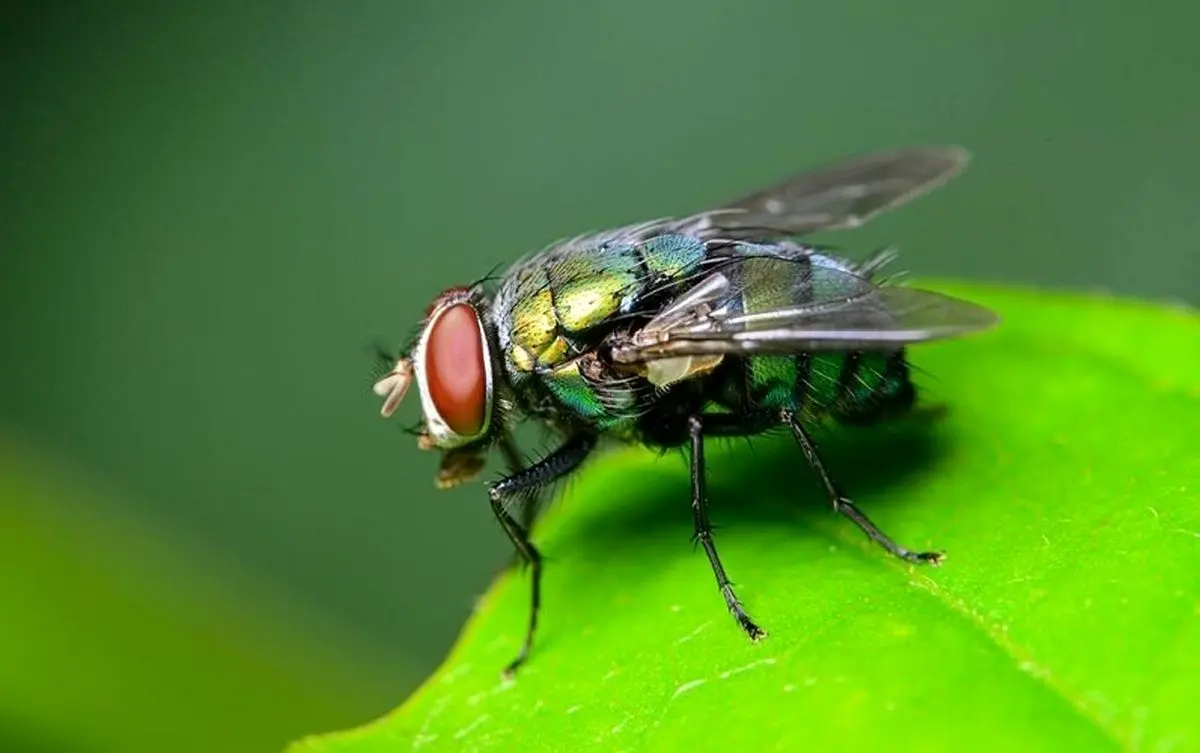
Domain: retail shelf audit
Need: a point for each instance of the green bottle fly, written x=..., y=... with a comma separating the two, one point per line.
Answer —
x=664, y=333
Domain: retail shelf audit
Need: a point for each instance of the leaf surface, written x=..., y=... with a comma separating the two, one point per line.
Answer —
x=1063, y=481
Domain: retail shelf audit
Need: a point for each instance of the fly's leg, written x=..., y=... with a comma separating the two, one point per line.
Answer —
x=554, y=466
x=843, y=504
x=532, y=504
x=698, y=426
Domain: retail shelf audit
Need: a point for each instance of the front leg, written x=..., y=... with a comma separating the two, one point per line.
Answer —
x=554, y=466
x=512, y=456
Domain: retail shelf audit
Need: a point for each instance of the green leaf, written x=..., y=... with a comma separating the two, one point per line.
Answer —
x=120, y=638
x=1062, y=482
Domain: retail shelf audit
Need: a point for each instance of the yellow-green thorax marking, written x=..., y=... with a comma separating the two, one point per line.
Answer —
x=549, y=303
x=558, y=305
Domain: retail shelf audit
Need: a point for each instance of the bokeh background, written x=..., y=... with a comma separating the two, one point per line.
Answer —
x=208, y=212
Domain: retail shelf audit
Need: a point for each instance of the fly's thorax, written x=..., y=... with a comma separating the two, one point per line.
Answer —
x=557, y=305
x=553, y=312
x=589, y=391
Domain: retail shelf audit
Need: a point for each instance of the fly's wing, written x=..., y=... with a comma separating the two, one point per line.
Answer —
x=841, y=195
x=785, y=305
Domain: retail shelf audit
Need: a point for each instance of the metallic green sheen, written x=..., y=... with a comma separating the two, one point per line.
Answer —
x=589, y=289
x=870, y=375
x=828, y=284
x=531, y=318
x=669, y=257
x=822, y=388
x=569, y=292
x=774, y=382
x=573, y=391
x=611, y=410
x=810, y=383
x=771, y=381
x=555, y=306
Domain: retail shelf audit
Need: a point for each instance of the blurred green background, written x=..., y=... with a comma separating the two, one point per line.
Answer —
x=208, y=213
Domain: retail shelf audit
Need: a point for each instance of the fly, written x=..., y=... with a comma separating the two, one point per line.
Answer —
x=666, y=332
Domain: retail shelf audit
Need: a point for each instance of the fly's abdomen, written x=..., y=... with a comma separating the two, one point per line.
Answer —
x=852, y=387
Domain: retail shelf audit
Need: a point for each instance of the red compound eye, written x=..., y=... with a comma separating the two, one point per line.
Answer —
x=455, y=370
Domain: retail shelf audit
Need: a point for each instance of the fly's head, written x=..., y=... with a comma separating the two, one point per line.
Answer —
x=452, y=362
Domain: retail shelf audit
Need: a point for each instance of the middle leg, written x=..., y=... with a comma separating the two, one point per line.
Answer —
x=717, y=425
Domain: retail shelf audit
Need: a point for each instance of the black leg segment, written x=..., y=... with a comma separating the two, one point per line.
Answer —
x=698, y=426
x=532, y=504
x=843, y=504
x=554, y=466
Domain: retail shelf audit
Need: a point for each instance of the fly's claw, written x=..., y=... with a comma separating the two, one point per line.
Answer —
x=933, y=559
x=755, y=632
x=751, y=628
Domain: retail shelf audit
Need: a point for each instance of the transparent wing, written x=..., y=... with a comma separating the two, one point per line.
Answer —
x=841, y=195
x=809, y=302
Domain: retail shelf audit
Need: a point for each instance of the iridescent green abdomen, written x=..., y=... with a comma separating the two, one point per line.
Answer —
x=851, y=386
